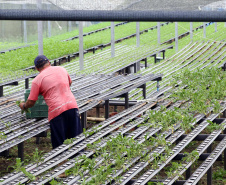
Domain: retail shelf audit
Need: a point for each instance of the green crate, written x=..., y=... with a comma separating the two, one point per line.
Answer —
x=39, y=110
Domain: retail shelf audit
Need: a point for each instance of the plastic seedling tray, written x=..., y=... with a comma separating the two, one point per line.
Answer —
x=39, y=110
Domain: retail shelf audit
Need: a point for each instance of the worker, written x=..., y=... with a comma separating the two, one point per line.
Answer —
x=53, y=83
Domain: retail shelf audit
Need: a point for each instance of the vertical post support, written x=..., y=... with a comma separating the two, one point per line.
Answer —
x=135, y=67
x=97, y=111
x=54, y=63
x=138, y=33
x=176, y=36
x=163, y=54
x=145, y=63
x=21, y=151
x=25, y=27
x=126, y=100
x=188, y=173
x=155, y=58
x=209, y=172
x=81, y=57
x=27, y=83
x=225, y=149
x=84, y=119
x=112, y=39
x=106, y=109
x=215, y=26
x=70, y=26
x=204, y=30
x=38, y=140
x=1, y=91
x=3, y=27
x=144, y=91
x=40, y=36
x=49, y=23
x=158, y=86
x=159, y=33
x=191, y=31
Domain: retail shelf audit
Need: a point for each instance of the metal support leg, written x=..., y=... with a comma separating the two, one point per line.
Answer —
x=188, y=173
x=59, y=62
x=27, y=83
x=126, y=100
x=135, y=68
x=158, y=86
x=209, y=172
x=84, y=119
x=163, y=54
x=106, y=109
x=145, y=63
x=225, y=153
x=224, y=114
x=1, y=91
x=155, y=59
x=209, y=176
x=54, y=63
x=224, y=67
x=138, y=66
x=144, y=91
x=69, y=58
x=21, y=151
x=97, y=111
x=37, y=140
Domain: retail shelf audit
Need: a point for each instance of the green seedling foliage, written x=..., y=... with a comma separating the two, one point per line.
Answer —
x=22, y=111
x=55, y=182
x=18, y=167
x=220, y=174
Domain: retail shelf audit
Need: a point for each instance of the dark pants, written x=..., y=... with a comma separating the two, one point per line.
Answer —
x=65, y=126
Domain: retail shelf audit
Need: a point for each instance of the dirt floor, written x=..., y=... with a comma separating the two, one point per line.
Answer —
x=7, y=163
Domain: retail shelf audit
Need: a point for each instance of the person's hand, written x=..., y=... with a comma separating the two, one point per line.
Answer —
x=21, y=105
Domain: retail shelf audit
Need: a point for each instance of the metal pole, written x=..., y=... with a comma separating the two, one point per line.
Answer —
x=21, y=151
x=2, y=27
x=126, y=100
x=159, y=33
x=138, y=34
x=204, y=30
x=70, y=25
x=106, y=109
x=1, y=91
x=112, y=39
x=40, y=36
x=176, y=36
x=191, y=31
x=49, y=23
x=215, y=26
x=81, y=57
x=25, y=27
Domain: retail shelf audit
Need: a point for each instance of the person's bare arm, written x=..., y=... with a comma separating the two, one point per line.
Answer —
x=27, y=104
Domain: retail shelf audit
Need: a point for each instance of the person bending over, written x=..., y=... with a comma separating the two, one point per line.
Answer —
x=53, y=83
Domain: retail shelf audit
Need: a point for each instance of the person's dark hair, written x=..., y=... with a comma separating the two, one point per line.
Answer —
x=41, y=64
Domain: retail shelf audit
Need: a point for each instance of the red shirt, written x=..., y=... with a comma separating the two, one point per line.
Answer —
x=53, y=84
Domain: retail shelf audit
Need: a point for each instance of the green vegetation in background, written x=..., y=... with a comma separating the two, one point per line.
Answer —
x=64, y=36
x=24, y=57
x=54, y=48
